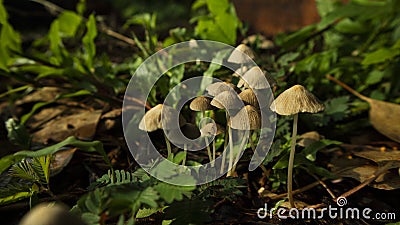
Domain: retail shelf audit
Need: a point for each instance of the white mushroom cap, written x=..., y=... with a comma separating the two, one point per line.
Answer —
x=227, y=100
x=218, y=87
x=248, y=118
x=256, y=78
x=201, y=103
x=159, y=115
x=237, y=56
x=295, y=100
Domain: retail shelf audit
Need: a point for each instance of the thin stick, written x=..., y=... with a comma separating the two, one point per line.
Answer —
x=377, y=173
x=291, y=161
x=300, y=190
x=351, y=90
x=324, y=185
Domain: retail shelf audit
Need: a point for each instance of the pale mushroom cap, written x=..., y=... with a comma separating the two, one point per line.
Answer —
x=255, y=78
x=237, y=55
x=50, y=214
x=227, y=100
x=239, y=71
x=153, y=119
x=211, y=129
x=248, y=118
x=201, y=103
x=295, y=100
x=218, y=87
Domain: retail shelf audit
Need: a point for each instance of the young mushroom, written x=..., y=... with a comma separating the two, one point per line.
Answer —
x=211, y=130
x=218, y=87
x=230, y=101
x=202, y=104
x=255, y=78
x=190, y=131
x=161, y=117
x=241, y=55
x=293, y=101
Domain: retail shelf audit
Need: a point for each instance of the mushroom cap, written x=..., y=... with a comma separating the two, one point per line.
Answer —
x=153, y=119
x=227, y=100
x=248, y=113
x=238, y=57
x=249, y=97
x=190, y=131
x=211, y=129
x=295, y=100
x=242, y=69
x=201, y=103
x=255, y=78
x=218, y=87
x=50, y=214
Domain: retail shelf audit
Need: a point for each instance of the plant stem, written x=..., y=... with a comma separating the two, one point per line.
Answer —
x=208, y=149
x=230, y=165
x=168, y=146
x=184, y=150
x=291, y=161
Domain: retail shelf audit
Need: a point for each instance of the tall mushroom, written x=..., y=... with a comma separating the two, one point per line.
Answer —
x=161, y=117
x=228, y=100
x=293, y=101
x=202, y=104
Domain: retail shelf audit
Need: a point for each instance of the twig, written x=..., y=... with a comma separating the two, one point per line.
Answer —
x=300, y=190
x=323, y=184
x=377, y=173
x=56, y=10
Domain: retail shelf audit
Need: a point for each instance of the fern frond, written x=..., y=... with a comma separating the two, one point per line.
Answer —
x=25, y=171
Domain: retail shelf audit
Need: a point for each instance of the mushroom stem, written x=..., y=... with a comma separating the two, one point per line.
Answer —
x=208, y=149
x=230, y=165
x=225, y=143
x=253, y=147
x=168, y=146
x=185, y=151
x=291, y=161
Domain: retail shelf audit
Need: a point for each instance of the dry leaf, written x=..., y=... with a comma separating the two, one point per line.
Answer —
x=82, y=125
x=384, y=116
x=381, y=157
x=60, y=160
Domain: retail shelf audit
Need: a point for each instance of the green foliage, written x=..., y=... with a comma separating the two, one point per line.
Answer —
x=188, y=212
x=218, y=22
x=18, y=134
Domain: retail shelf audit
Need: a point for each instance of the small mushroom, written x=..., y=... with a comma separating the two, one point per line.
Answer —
x=218, y=87
x=190, y=131
x=201, y=104
x=50, y=214
x=239, y=55
x=161, y=117
x=209, y=130
x=293, y=101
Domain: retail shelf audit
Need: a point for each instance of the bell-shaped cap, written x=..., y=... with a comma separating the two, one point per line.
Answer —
x=218, y=87
x=239, y=54
x=227, y=100
x=248, y=118
x=257, y=79
x=295, y=100
x=201, y=103
x=161, y=117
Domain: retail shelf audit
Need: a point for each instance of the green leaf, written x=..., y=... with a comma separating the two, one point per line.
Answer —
x=94, y=146
x=146, y=212
x=310, y=151
x=68, y=23
x=15, y=197
x=375, y=76
x=170, y=192
x=379, y=56
x=88, y=41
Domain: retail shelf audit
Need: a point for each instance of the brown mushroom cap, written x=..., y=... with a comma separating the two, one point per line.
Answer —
x=248, y=118
x=211, y=129
x=201, y=103
x=255, y=78
x=227, y=100
x=295, y=100
x=153, y=119
x=218, y=87
x=237, y=55
x=249, y=97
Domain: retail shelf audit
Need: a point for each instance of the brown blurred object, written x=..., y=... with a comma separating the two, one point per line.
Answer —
x=274, y=16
